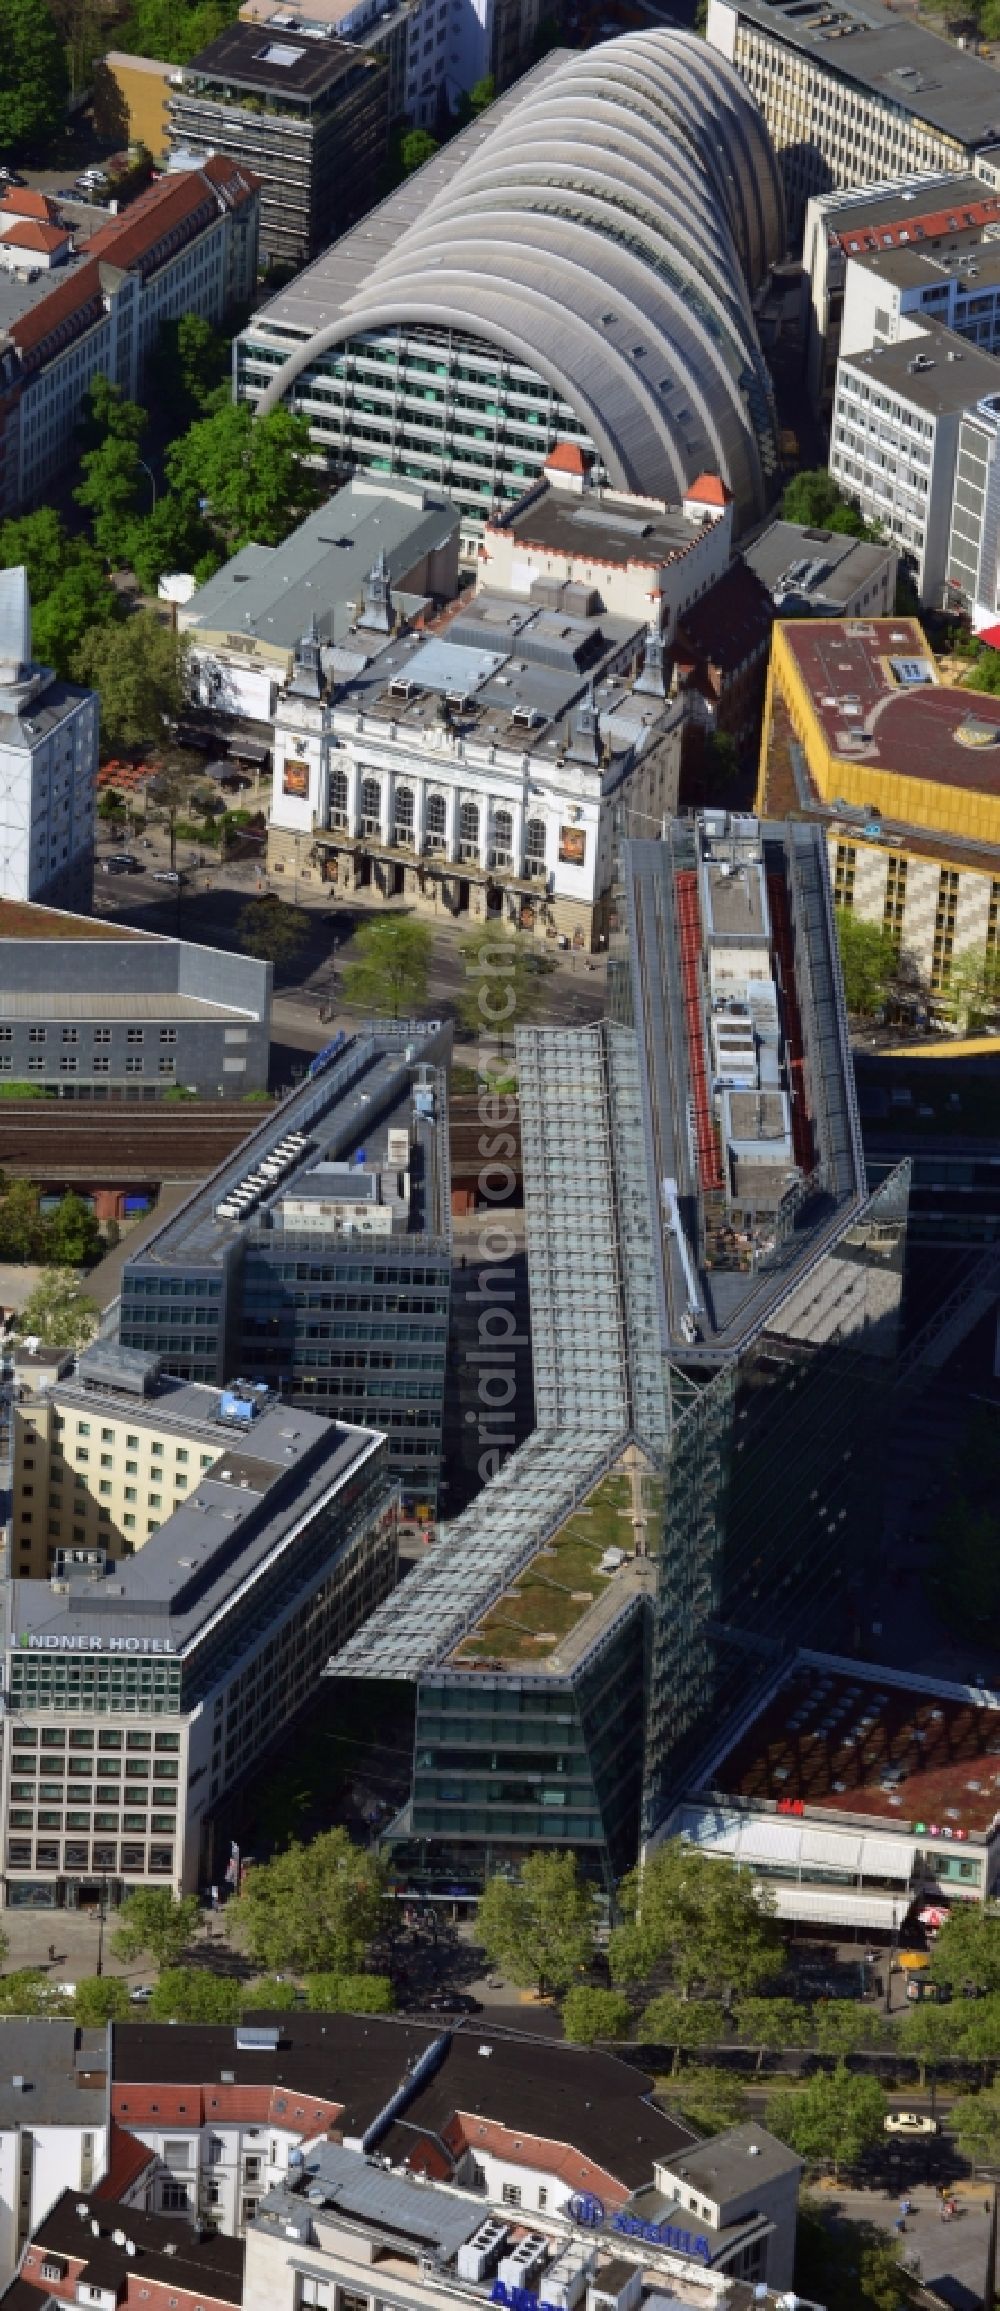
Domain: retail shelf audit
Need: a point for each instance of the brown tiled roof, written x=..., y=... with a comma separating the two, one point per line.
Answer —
x=126, y=2159
x=31, y=235
x=174, y=201
x=67, y=302
x=29, y=204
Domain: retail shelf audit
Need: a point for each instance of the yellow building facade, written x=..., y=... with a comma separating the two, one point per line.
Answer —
x=860, y=729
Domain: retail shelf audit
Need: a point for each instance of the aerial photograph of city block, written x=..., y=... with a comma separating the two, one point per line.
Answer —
x=500, y=1155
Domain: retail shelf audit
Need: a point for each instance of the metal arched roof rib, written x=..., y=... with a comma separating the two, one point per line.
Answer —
x=608, y=232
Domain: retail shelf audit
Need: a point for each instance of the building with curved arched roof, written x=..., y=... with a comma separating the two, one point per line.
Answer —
x=579, y=264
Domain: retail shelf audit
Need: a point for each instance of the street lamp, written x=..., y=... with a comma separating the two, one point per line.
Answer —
x=101, y=1916
x=148, y=471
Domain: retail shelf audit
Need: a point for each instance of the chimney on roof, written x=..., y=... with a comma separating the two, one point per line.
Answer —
x=376, y=605
x=652, y=680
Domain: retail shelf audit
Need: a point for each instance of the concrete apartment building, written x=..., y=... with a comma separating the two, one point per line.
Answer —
x=142, y=1686
x=309, y=117
x=946, y=213
x=320, y=1255
x=854, y=94
x=49, y=739
x=897, y=416
x=467, y=376
x=244, y=625
x=334, y=2160
x=696, y=2235
x=972, y=578
x=53, y=2122
x=862, y=737
x=479, y=767
x=188, y=245
x=434, y=51
x=131, y=101
x=816, y=573
x=100, y=1463
x=223, y=2141
x=96, y=1010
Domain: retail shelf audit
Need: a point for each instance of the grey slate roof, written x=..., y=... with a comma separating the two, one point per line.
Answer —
x=274, y=592
x=54, y=2058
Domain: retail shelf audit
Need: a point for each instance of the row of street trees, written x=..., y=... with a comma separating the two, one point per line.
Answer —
x=68, y=1237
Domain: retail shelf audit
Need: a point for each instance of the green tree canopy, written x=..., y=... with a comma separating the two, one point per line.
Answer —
x=707, y=2098
x=59, y=1312
x=29, y=1991
x=72, y=1234
x=683, y=2023
x=932, y=2034
x=836, y=2116
x=273, y=931
x=773, y=2024
x=390, y=967
x=173, y=535
x=192, y=1994
x=100, y=1998
x=269, y=1994
x=173, y=29
x=34, y=83
x=503, y=982
x=846, y=2028
x=815, y=498
x=975, y=2121
x=314, y=1907
x=349, y=1994
x=703, y=1921
x=156, y=1922
x=848, y=2266
x=70, y=590
x=138, y=669
x=417, y=147
x=590, y=2013
x=539, y=1928
x=968, y=1947
x=249, y=475
x=869, y=960
x=193, y=362
x=22, y=1229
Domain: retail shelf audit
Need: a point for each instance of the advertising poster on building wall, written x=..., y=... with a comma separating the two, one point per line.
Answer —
x=295, y=777
x=572, y=846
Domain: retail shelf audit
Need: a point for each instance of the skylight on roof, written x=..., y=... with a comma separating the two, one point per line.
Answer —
x=278, y=52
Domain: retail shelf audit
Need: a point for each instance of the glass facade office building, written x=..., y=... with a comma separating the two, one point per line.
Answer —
x=343, y=1309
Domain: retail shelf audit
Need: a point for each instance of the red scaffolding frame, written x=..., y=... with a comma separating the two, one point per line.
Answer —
x=689, y=929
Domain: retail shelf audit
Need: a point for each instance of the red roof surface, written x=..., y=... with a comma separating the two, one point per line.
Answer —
x=991, y=634
x=910, y=728
x=828, y=1740
x=567, y=457
x=28, y=204
x=917, y=225
x=126, y=2159
x=69, y=303
x=709, y=490
x=31, y=235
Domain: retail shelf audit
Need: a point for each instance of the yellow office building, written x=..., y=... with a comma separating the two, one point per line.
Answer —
x=860, y=730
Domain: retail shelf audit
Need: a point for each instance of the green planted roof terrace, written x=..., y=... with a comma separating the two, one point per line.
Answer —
x=560, y=1584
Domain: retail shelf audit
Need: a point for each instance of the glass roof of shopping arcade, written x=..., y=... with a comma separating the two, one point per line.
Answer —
x=484, y=1550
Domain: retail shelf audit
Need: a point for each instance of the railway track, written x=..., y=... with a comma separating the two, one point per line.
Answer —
x=43, y=1141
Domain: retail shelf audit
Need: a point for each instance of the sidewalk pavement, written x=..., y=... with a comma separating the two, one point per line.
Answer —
x=951, y=2256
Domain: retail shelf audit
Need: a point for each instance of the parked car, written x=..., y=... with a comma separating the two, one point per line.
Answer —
x=141, y=1995
x=165, y=875
x=910, y=2122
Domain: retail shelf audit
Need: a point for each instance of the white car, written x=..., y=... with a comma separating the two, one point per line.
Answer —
x=910, y=2122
